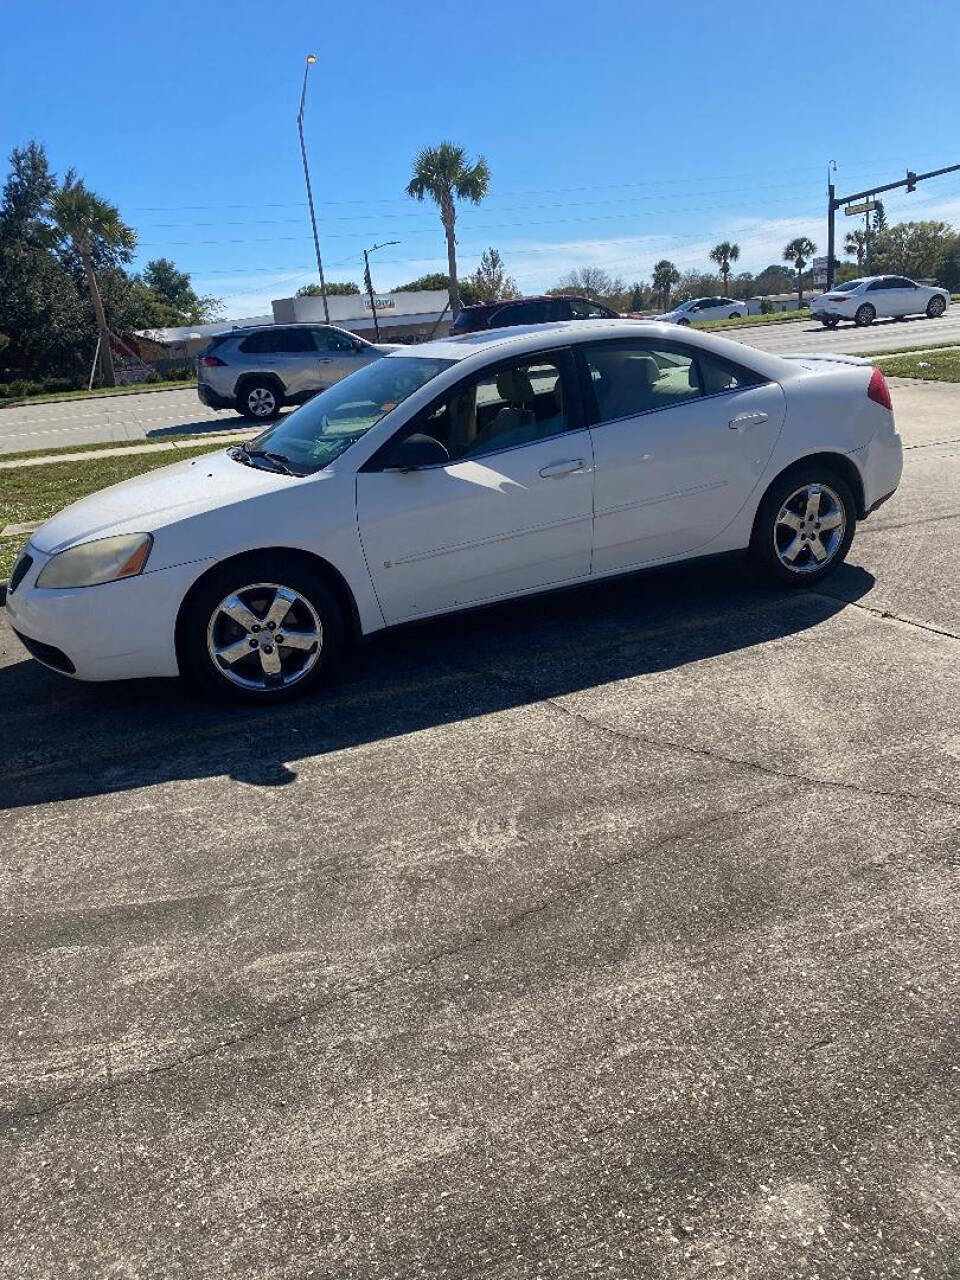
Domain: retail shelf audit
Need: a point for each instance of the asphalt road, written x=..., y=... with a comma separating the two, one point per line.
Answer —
x=613, y=934
x=151, y=416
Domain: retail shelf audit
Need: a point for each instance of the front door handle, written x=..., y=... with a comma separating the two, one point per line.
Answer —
x=745, y=420
x=566, y=468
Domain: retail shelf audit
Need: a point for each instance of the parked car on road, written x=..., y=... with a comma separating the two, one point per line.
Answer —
x=258, y=370
x=469, y=471
x=695, y=310
x=873, y=297
x=543, y=310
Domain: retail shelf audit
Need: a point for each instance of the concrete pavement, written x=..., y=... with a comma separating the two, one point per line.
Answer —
x=882, y=335
x=610, y=934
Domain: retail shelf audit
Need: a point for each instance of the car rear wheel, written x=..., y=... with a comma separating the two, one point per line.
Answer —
x=935, y=308
x=866, y=314
x=259, y=399
x=804, y=526
x=260, y=630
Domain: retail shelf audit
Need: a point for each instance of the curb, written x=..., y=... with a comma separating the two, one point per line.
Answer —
x=146, y=390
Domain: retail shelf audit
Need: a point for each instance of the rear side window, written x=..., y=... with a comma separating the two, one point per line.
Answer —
x=264, y=342
x=631, y=378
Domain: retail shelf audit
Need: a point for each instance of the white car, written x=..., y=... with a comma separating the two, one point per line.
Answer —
x=873, y=297
x=463, y=472
x=695, y=310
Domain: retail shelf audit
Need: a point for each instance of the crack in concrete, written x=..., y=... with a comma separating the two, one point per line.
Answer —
x=889, y=616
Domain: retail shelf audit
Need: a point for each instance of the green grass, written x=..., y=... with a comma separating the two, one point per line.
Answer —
x=36, y=493
x=932, y=366
x=15, y=403
x=775, y=317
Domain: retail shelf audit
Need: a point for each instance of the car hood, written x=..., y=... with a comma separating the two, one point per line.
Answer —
x=149, y=502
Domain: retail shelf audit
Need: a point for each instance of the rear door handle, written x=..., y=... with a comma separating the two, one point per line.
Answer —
x=568, y=467
x=745, y=420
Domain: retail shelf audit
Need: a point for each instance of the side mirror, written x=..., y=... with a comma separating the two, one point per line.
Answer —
x=416, y=451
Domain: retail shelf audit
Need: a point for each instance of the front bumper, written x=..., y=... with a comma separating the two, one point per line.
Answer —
x=118, y=631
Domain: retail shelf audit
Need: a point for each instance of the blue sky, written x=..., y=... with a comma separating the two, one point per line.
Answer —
x=617, y=132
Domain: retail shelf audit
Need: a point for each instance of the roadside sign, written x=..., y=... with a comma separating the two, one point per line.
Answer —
x=819, y=267
x=865, y=206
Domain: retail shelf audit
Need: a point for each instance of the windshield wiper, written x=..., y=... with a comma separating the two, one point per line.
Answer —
x=280, y=461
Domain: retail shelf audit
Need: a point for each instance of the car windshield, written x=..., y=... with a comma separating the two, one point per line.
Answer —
x=848, y=287
x=322, y=429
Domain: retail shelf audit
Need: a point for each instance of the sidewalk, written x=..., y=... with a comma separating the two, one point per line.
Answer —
x=184, y=442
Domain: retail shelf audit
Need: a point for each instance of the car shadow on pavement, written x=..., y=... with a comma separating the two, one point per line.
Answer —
x=66, y=740
x=210, y=426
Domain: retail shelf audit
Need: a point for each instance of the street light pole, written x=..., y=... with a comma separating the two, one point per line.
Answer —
x=369, y=282
x=311, y=59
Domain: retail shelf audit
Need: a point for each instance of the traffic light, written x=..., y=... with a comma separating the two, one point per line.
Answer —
x=911, y=180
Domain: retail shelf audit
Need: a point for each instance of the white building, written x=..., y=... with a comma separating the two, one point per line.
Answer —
x=399, y=315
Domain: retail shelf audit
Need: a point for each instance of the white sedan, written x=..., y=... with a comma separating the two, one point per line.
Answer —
x=696, y=310
x=466, y=471
x=873, y=297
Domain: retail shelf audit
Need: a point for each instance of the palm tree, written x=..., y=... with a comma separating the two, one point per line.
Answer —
x=855, y=244
x=723, y=254
x=91, y=224
x=799, y=252
x=665, y=276
x=444, y=173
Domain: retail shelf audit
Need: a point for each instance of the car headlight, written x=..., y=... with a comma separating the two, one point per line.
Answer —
x=91, y=563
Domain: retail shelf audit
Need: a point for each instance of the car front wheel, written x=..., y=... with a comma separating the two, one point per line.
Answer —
x=866, y=314
x=830, y=322
x=260, y=630
x=935, y=308
x=804, y=526
x=260, y=400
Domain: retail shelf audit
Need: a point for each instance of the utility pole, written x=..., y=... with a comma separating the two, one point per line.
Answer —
x=311, y=59
x=834, y=202
x=368, y=281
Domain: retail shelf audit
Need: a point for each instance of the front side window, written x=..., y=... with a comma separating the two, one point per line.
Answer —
x=331, y=340
x=629, y=378
x=328, y=424
x=516, y=405
x=879, y=284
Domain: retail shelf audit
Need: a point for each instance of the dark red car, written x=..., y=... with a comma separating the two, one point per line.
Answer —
x=543, y=310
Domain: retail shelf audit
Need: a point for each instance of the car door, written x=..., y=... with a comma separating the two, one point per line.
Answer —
x=907, y=298
x=881, y=296
x=680, y=440
x=510, y=512
x=337, y=354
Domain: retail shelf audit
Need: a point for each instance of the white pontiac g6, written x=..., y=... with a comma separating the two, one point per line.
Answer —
x=462, y=472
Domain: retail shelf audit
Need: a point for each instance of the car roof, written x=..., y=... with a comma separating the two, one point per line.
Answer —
x=527, y=297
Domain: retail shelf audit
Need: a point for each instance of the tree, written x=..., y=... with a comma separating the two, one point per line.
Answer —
x=444, y=174
x=911, y=248
x=697, y=284
x=439, y=280
x=723, y=254
x=490, y=280
x=637, y=296
x=173, y=290
x=773, y=279
x=89, y=223
x=591, y=282
x=665, y=276
x=335, y=289
x=799, y=251
x=855, y=245
x=879, y=216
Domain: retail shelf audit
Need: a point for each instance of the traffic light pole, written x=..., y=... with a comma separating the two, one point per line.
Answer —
x=834, y=202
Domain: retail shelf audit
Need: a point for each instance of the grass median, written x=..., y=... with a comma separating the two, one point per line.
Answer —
x=932, y=366
x=35, y=493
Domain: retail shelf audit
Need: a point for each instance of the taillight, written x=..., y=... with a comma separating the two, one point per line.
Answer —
x=878, y=391
x=211, y=362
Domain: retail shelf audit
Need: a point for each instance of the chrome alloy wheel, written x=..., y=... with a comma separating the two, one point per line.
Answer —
x=809, y=528
x=261, y=402
x=264, y=636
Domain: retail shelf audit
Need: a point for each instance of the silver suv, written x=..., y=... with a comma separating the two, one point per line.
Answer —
x=258, y=371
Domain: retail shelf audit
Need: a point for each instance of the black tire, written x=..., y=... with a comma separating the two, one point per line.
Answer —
x=734, y=315
x=866, y=314
x=768, y=534
x=682, y=320
x=935, y=308
x=259, y=399
x=830, y=322
x=254, y=579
